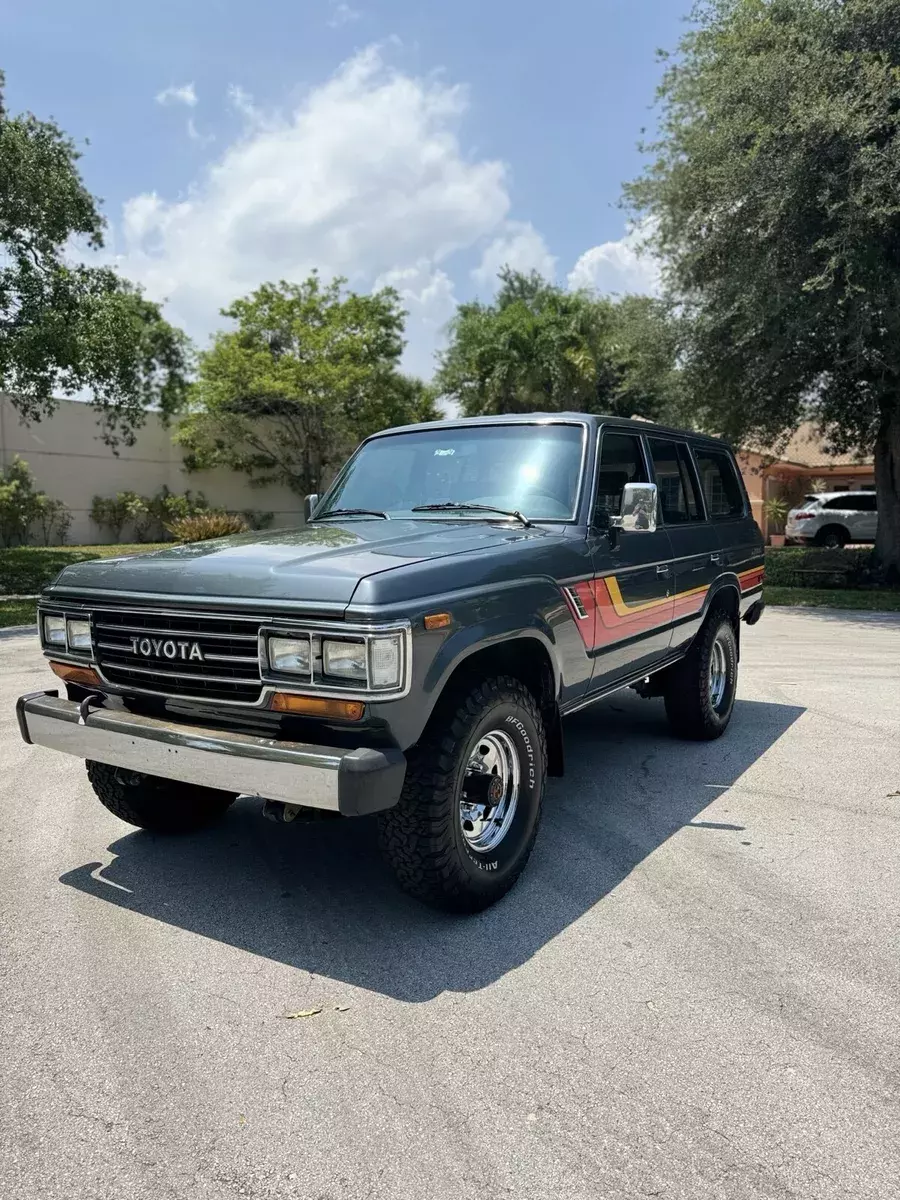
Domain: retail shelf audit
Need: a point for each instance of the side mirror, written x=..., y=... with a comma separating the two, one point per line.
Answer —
x=309, y=505
x=639, y=506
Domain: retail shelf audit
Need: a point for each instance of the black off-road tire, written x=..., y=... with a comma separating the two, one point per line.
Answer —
x=160, y=805
x=688, y=693
x=422, y=837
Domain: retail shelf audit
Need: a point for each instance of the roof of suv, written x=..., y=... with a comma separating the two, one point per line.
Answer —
x=592, y=419
x=837, y=495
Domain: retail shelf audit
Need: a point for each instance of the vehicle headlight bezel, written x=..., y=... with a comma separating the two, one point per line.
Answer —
x=368, y=662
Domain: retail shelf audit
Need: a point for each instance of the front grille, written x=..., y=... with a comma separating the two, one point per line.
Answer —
x=196, y=656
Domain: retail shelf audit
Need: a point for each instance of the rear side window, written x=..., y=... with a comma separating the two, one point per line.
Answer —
x=860, y=503
x=674, y=471
x=621, y=462
x=720, y=483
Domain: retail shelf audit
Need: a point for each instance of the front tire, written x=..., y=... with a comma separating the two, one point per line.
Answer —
x=469, y=812
x=700, y=690
x=159, y=805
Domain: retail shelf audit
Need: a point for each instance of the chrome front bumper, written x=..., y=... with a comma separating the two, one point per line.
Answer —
x=349, y=782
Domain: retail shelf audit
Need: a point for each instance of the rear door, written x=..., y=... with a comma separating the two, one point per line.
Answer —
x=696, y=550
x=728, y=509
x=631, y=588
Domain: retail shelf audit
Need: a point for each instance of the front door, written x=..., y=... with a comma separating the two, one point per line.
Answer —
x=696, y=552
x=631, y=590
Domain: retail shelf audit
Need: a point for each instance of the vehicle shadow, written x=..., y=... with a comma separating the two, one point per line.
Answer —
x=316, y=896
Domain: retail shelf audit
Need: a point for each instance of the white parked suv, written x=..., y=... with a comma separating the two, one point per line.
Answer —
x=833, y=519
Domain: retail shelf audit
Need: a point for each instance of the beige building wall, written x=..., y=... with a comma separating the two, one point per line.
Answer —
x=70, y=462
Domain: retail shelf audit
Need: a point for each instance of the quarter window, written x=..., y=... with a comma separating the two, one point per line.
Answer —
x=679, y=497
x=721, y=486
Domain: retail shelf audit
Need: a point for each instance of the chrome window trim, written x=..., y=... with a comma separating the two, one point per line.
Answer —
x=269, y=682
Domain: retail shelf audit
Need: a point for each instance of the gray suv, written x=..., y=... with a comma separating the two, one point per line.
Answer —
x=834, y=519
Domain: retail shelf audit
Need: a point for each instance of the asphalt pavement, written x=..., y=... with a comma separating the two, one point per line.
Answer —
x=693, y=993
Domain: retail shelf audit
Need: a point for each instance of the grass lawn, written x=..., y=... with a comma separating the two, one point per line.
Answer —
x=17, y=612
x=875, y=600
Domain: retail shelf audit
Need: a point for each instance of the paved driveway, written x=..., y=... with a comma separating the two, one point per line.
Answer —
x=694, y=992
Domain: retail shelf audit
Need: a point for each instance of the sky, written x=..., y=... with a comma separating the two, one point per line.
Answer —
x=417, y=144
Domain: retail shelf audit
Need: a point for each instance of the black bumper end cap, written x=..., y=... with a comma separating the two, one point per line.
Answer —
x=370, y=781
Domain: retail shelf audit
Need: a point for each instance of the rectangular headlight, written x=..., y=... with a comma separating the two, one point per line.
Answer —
x=291, y=655
x=55, y=631
x=384, y=661
x=345, y=660
x=79, y=634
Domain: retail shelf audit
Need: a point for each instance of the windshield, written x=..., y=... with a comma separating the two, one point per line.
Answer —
x=532, y=468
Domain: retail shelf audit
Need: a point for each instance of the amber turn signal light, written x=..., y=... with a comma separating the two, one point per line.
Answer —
x=83, y=676
x=437, y=620
x=318, y=706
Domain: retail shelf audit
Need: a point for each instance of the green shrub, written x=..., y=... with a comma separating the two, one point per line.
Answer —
x=19, y=503
x=801, y=566
x=258, y=520
x=149, y=517
x=54, y=519
x=203, y=526
x=111, y=513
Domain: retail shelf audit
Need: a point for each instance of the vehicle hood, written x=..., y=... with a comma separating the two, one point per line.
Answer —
x=321, y=564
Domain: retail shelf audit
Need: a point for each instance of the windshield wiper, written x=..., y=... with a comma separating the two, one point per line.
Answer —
x=455, y=506
x=352, y=512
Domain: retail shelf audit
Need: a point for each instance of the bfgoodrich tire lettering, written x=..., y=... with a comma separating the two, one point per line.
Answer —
x=161, y=805
x=700, y=690
x=424, y=839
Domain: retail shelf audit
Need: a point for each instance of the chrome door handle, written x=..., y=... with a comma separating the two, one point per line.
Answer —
x=663, y=570
x=716, y=558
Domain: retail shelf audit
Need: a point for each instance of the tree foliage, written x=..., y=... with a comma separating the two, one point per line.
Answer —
x=309, y=371
x=775, y=195
x=66, y=327
x=538, y=347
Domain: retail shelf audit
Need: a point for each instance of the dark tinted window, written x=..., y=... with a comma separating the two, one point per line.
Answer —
x=678, y=498
x=857, y=503
x=621, y=462
x=721, y=486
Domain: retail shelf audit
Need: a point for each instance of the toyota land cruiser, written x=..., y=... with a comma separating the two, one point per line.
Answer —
x=412, y=650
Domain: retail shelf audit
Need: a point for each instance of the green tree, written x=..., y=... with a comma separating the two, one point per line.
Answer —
x=66, y=327
x=538, y=347
x=775, y=195
x=309, y=371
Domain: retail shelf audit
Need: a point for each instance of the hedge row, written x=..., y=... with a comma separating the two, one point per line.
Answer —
x=799, y=566
x=25, y=570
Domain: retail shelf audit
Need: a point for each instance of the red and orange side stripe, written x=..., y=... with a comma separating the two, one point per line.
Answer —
x=603, y=617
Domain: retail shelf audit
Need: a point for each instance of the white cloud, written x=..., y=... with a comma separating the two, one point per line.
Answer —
x=343, y=14
x=366, y=178
x=520, y=247
x=428, y=296
x=185, y=94
x=618, y=267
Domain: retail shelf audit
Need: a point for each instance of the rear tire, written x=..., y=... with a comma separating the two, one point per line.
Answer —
x=832, y=537
x=700, y=690
x=160, y=805
x=469, y=812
